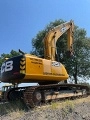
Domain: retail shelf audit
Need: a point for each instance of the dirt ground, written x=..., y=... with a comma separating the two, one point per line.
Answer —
x=78, y=109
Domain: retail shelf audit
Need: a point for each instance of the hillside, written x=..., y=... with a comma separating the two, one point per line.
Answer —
x=78, y=109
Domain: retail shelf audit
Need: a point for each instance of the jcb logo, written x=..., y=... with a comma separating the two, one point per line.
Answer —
x=63, y=29
x=7, y=66
x=56, y=64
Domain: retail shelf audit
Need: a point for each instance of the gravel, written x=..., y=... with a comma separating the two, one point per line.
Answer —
x=78, y=109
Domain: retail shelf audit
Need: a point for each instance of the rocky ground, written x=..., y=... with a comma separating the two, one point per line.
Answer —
x=78, y=109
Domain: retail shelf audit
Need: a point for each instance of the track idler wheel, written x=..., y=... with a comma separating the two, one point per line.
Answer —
x=32, y=97
x=37, y=97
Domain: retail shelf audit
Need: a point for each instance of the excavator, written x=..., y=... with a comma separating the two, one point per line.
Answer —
x=47, y=72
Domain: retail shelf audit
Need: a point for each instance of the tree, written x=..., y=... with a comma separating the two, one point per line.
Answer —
x=82, y=54
x=79, y=64
x=11, y=54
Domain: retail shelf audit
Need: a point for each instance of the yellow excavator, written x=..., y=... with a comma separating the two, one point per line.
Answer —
x=47, y=72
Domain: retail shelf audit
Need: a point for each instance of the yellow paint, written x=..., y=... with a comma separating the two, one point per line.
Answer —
x=22, y=62
x=38, y=69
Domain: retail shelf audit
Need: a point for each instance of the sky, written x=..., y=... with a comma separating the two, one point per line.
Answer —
x=21, y=20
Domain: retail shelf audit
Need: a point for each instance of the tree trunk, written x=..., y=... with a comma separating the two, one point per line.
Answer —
x=75, y=73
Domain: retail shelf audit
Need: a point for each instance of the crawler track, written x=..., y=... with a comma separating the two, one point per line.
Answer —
x=35, y=95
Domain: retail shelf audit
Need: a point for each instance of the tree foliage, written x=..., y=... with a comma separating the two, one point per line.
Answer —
x=79, y=64
x=11, y=54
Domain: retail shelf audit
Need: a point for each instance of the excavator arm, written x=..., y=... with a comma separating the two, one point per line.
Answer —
x=52, y=37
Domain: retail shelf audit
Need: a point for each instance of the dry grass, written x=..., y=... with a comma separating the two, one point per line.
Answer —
x=15, y=110
x=11, y=107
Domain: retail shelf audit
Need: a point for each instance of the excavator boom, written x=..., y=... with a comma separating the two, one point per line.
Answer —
x=52, y=37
